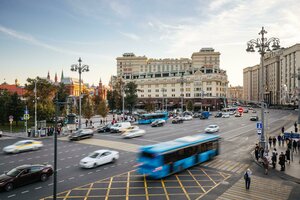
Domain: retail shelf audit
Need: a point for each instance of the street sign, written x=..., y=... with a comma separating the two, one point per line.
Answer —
x=259, y=125
x=258, y=131
x=240, y=109
x=26, y=112
x=26, y=116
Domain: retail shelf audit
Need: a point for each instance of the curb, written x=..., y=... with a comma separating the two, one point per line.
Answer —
x=30, y=138
x=278, y=173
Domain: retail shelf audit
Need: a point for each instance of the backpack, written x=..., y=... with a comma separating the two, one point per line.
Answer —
x=246, y=176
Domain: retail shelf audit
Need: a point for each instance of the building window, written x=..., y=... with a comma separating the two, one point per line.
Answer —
x=156, y=95
x=208, y=89
x=188, y=95
x=156, y=90
x=142, y=95
x=149, y=90
x=173, y=95
x=188, y=89
x=173, y=90
x=149, y=95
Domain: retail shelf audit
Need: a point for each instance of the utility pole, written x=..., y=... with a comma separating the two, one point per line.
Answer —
x=35, y=109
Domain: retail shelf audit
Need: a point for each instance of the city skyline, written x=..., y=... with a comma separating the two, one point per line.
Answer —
x=37, y=37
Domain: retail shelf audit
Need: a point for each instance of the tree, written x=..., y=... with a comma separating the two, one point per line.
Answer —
x=45, y=91
x=88, y=109
x=63, y=94
x=16, y=107
x=131, y=95
x=102, y=109
x=5, y=100
x=190, y=106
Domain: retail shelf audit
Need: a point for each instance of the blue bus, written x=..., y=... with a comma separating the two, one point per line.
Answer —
x=160, y=160
x=149, y=118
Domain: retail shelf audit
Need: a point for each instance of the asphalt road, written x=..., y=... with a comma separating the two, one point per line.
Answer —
x=238, y=133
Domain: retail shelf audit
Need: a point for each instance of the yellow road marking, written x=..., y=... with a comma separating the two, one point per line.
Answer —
x=196, y=181
x=233, y=166
x=108, y=189
x=146, y=188
x=209, y=177
x=218, y=166
x=67, y=195
x=88, y=192
x=164, y=187
x=215, y=164
x=182, y=187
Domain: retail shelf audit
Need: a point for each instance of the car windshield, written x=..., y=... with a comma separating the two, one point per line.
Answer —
x=94, y=155
x=19, y=143
x=13, y=172
x=211, y=126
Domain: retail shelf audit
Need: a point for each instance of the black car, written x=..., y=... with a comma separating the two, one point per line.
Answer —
x=81, y=134
x=177, y=120
x=159, y=122
x=254, y=118
x=105, y=128
x=219, y=114
x=24, y=175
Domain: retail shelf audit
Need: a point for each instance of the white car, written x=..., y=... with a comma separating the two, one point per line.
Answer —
x=133, y=133
x=23, y=145
x=187, y=118
x=225, y=115
x=99, y=157
x=212, y=129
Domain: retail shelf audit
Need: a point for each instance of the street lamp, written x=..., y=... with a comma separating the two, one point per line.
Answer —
x=80, y=68
x=263, y=46
x=35, y=108
x=163, y=94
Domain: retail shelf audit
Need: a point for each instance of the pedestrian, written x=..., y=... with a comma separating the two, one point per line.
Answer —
x=298, y=145
x=91, y=123
x=289, y=144
x=282, y=130
x=282, y=161
x=288, y=155
x=274, y=141
x=282, y=140
x=247, y=177
x=295, y=146
x=86, y=122
x=270, y=141
x=256, y=152
x=262, y=151
x=274, y=158
x=279, y=139
x=295, y=125
x=101, y=121
x=265, y=164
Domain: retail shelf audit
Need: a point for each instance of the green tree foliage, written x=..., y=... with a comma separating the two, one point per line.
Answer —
x=45, y=94
x=63, y=94
x=111, y=100
x=102, y=109
x=190, y=106
x=16, y=107
x=87, y=108
x=131, y=95
x=118, y=89
x=5, y=100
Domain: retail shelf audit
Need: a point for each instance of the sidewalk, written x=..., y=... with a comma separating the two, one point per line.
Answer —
x=292, y=170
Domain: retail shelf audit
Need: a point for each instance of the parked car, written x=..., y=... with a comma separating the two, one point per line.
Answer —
x=225, y=115
x=238, y=115
x=219, y=114
x=81, y=134
x=212, y=129
x=254, y=118
x=245, y=110
x=105, y=128
x=187, y=118
x=177, y=120
x=119, y=127
x=196, y=115
x=158, y=122
x=24, y=175
x=232, y=112
x=23, y=145
x=99, y=157
x=133, y=133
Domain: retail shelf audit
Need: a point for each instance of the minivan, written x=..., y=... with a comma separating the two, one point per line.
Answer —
x=119, y=127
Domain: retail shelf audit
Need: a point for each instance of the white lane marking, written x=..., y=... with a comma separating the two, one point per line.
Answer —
x=106, y=168
x=69, y=157
x=59, y=169
x=29, y=158
x=37, y=156
x=90, y=172
x=21, y=160
x=11, y=195
x=68, y=167
x=98, y=170
x=11, y=161
x=50, y=184
x=1, y=163
x=76, y=165
x=71, y=178
x=81, y=175
x=25, y=191
x=61, y=181
x=46, y=155
x=113, y=166
x=38, y=188
x=60, y=152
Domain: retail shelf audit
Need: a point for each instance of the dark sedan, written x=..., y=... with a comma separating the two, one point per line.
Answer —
x=254, y=118
x=81, y=134
x=24, y=175
x=105, y=128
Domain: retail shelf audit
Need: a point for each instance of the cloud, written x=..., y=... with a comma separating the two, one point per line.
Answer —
x=131, y=36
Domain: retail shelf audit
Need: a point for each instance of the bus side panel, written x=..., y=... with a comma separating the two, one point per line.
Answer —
x=205, y=156
x=184, y=164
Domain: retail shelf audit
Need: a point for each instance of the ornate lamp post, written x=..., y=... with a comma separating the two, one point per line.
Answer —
x=263, y=45
x=80, y=68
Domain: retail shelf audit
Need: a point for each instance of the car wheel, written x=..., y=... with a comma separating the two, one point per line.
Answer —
x=9, y=187
x=44, y=177
x=95, y=165
x=113, y=160
x=35, y=148
x=16, y=151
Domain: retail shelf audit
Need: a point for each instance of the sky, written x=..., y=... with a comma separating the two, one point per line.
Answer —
x=37, y=36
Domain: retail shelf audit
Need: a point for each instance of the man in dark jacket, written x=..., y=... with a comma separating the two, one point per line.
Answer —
x=282, y=161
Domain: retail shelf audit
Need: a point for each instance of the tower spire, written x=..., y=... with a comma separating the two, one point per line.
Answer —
x=48, y=76
x=62, y=75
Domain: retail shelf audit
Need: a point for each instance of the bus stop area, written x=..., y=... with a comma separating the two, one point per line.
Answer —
x=192, y=183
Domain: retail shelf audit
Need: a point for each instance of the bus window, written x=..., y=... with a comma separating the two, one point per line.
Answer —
x=170, y=157
x=147, y=155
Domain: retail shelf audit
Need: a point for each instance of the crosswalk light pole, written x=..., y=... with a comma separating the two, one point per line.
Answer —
x=263, y=45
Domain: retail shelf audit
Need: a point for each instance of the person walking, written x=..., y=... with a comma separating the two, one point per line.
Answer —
x=288, y=155
x=270, y=141
x=295, y=146
x=266, y=164
x=279, y=139
x=296, y=128
x=274, y=141
x=282, y=161
x=86, y=123
x=256, y=152
x=274, y=158
x=289, y=144
x=247, y=177
x=282, y=130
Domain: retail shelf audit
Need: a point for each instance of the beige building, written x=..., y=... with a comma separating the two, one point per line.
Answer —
x=280, y=70
x=235, y=94
x=164, y=81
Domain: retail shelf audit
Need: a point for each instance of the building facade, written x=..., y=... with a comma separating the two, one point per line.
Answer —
x=235, y=94
x=280, y=72
x=169, y=82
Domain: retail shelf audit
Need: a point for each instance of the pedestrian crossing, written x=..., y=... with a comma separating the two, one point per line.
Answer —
x=260, y=189
x=227, y=165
